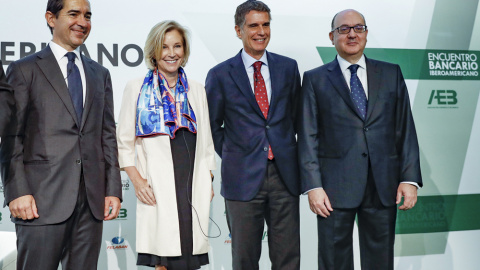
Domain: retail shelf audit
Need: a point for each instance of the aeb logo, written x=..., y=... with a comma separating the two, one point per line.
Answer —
x=265, y=236
x=443, y=97
x=122, y=214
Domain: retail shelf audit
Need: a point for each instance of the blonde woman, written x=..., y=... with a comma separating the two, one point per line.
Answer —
x=166, y=148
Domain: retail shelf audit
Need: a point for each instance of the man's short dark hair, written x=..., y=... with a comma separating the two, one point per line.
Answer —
x=54, y=6
x=246, y=7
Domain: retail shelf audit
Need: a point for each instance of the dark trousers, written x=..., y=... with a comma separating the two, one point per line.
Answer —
x=75, y=242
x=376, y=229
x=274, y=205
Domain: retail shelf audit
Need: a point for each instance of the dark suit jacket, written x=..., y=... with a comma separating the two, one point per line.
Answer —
x=336, y=145
x=241, y=133
x=46, y=151
x=7, y=102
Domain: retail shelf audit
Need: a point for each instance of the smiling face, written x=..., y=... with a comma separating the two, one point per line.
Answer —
x=172, y=54
x=255, y=33
x=72, y=26
x=349, y=46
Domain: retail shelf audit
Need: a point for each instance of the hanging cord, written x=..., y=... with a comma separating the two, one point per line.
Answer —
x=188, y=197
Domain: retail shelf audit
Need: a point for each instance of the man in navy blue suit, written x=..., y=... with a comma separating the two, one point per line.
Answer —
x=252, y=101
x=358, y=149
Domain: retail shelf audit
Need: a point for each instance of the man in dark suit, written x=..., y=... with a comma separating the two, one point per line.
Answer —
x=358, y=149
x=6, y=101
x=60, y=168
x=252, y=100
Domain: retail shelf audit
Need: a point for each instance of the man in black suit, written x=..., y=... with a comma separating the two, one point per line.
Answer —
x=60, y=170
x=251, y=100
x=6, y=101
x=358, y=149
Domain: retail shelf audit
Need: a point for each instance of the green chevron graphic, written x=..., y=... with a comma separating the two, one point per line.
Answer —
x=441, y=214
x=439, y=102
x=423, y=64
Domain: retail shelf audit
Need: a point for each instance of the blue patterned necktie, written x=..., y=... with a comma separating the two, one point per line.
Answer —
x=357, y=92
x=75, y=85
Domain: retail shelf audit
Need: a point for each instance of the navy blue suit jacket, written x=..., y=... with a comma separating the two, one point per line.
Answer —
x=336, y=145
x=241, y=133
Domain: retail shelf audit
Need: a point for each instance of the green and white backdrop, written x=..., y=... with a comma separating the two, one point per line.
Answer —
x=436, y=43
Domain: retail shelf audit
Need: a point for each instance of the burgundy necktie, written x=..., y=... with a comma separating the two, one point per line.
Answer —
x=261, y=95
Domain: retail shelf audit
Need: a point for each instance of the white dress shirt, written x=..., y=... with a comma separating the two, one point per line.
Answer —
x=248, y=61
x=60, y=54
x=361, y=72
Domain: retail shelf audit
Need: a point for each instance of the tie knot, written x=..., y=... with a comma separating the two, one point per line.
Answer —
x=71, y=56
x=257, y=66
x=353, y=68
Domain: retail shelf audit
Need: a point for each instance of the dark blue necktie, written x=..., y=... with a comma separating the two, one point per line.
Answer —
x=357, y=92
x=75, y=85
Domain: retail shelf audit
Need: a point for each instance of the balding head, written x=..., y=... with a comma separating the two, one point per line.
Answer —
x=349, y=42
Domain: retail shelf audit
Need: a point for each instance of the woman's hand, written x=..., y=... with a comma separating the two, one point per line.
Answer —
x=213, y=193
x=143, y=190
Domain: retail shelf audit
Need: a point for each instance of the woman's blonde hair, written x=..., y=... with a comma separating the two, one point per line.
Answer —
x=154, y=44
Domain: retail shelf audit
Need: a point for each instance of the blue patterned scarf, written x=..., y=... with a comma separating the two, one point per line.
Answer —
x=161, y=113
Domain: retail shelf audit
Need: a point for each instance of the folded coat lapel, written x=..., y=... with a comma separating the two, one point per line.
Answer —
x=339, y=83
x=240, y=77
x=275, y=75
x=49, y=66
x=92, y=84
x=374, y=81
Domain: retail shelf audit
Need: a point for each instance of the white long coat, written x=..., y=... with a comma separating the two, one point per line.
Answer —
x=158, y=230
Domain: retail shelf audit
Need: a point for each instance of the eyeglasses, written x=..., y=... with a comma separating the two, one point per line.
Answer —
x=345, y=29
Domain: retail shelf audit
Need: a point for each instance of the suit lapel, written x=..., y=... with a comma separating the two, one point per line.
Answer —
x=338, y=81
x=275, y=74
x=90, y=78
x=49, y=66
x=240, y=77
x=374, y=80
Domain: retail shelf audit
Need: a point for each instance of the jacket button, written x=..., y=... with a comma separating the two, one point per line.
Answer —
x=366, y=129
x=364, y=154
x=265, y=149
x=268, y=127
x=79, y=161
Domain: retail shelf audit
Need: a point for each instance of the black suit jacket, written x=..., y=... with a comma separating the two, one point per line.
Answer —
x=6, y=101
x=241, y=133
x=47, y=149
x=336, y=145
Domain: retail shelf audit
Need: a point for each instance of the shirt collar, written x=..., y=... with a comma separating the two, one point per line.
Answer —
x=344, y=64
x=248, y=61
x=59, y=52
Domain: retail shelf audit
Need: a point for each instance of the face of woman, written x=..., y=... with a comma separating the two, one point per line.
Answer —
x=172, y=54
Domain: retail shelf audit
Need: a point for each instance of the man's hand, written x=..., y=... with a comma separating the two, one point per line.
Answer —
x=213, y=194
x=113, y=202
x=24, y=207
x=409, y=194
x=319, y=202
